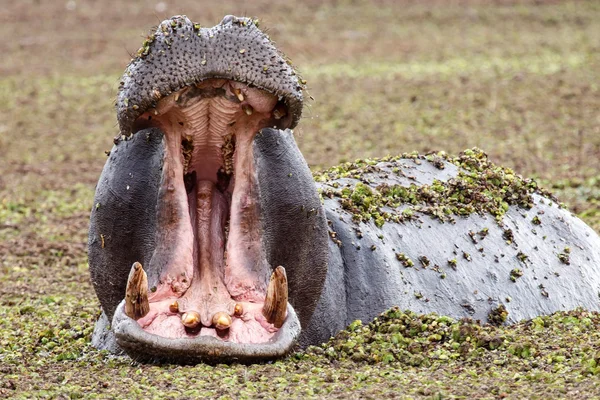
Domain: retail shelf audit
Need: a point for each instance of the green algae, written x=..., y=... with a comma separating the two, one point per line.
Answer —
x=522, y=257
x=564, y=256
x=497, y=316
x=479, y=187
x=426, y=262
x=432, y=341
x=144, y=50
x=405, y=260
x=515, y=273
x=395, y=349
x=453, y=263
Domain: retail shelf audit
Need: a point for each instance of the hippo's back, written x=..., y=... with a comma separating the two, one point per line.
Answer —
x=472, y=240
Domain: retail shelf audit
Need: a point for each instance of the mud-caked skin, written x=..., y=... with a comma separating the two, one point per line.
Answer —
x=207, y=190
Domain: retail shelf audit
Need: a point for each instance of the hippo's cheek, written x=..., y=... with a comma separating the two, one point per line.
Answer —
x=294, y=226
x=123, y=223
x=196, y=225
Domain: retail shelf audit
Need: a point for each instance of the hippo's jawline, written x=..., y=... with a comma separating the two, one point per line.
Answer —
x=209, y=253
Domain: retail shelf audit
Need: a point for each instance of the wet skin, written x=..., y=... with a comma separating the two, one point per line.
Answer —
x=209, y=241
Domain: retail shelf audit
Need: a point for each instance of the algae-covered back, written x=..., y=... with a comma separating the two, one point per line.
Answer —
x=459, y=236
x=386, y=189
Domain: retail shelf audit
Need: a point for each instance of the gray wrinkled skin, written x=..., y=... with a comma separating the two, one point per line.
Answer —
x=123, y=220
x=294, y=226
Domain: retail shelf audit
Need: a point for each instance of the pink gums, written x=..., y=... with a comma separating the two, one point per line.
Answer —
x=202, y=269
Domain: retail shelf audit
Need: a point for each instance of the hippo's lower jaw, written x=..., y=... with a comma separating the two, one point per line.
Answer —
x=144, y=346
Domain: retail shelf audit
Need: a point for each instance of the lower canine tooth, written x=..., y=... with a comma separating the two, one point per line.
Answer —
x=275, y=307
x=136, y=293
x=221, y=320
x=190, y=319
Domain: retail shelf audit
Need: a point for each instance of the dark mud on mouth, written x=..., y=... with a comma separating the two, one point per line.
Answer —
x=434, y=92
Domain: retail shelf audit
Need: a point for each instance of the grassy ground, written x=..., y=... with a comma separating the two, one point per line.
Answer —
x=519, y=79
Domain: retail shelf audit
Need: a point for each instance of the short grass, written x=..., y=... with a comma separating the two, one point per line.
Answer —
x=519, y=79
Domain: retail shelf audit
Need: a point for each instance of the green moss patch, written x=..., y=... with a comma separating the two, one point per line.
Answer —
x=400, y=354
x=406, y=338
x=480, y=187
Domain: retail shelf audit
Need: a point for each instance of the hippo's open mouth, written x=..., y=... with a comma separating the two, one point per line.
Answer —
x=209, y=279
x=214, y=278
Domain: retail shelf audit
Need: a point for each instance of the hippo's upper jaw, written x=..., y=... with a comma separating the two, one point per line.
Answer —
x=206, y=219
x=181, y=54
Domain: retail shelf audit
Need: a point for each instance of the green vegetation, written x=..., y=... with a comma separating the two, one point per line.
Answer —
x=480, y=187
x=517, y=80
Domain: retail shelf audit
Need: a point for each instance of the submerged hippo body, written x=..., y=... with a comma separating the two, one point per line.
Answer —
x=210, y=240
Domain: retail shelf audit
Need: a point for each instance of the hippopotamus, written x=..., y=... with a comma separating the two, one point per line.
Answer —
x=210, y=239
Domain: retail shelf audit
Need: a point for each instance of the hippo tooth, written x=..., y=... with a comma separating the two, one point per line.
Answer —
x=136, y=293
x=275, y=306
x=174, y=307
x=190, y=319
x=221, y=320
x=248, y=109
x=239, y=94
x=238, y=310
x=279, y=113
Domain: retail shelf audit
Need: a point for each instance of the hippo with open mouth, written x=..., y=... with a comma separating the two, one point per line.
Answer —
x=211, y=241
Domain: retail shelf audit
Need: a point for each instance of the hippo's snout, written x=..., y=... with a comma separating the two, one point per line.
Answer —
x=181, y=54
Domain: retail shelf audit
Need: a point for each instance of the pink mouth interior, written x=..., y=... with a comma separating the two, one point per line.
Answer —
x=208, y=245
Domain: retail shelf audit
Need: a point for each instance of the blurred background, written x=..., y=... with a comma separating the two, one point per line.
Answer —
x=519, y=79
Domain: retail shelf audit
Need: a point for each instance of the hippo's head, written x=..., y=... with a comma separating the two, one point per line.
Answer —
x=207, y=238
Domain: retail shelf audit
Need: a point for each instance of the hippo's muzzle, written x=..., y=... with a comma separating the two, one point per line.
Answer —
x=206, y=215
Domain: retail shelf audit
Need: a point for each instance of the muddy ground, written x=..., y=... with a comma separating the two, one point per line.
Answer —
x=519, y=79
